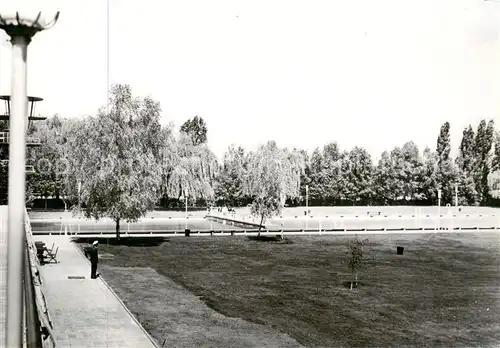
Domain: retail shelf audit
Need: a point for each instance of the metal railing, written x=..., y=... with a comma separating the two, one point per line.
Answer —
x=267, y=232
x=27, y=168
x=5, y=139
x=37, y=323
x=33, y=140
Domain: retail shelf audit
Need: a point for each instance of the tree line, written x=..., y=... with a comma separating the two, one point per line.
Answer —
x=402, y=176
x=122, y=163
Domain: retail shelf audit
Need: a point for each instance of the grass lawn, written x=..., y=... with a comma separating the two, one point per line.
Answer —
x=443, y=292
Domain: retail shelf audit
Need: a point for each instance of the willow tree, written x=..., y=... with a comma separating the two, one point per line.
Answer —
x=53, y=159
x=116, y=158
x=273, y=175
x=187, y=167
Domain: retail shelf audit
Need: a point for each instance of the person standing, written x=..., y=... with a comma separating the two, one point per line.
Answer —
x=94, y=259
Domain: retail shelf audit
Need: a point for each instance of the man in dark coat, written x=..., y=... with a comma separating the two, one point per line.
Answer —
x=94, y=259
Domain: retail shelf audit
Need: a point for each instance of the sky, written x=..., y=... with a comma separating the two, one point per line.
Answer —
x=301, y=72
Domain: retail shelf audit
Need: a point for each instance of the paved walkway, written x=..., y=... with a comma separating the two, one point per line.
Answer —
x=85, y=312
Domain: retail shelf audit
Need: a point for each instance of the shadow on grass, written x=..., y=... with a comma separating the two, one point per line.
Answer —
x=274, y=239
x=347, y=284
x=126, y=241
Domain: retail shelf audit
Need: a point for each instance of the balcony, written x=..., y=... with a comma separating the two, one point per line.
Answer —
x=32, y=103
x=28, y=168
x=30, y=141
x=6, y=117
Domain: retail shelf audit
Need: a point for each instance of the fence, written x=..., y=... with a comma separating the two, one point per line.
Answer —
x=270, y=232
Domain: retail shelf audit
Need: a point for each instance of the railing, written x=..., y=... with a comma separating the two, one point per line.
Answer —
x=5, y=139
x=268, y=232
x=38, y=325
x=27, y=168
x=32, y=140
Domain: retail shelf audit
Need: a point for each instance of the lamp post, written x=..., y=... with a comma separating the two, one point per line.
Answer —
x=79, y=195
x=21, y=27
x=307, y=206
x=439, y=209
x=186, y=214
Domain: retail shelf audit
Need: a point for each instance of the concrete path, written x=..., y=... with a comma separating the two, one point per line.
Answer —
x=85, y=312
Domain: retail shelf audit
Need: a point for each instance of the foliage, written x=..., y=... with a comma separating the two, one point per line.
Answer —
x=443, y=143
x=495, y=163
x=383, y=180
x=447, y=173
x=116, y=162
x=483, y=144
x=428, y=178
x=356, y=169
x=191, y=168
x=128, y=140
x=273, y=175
x=494, y=184
x=196, y=129
x=466, y=163
x=356, y=259
x=318, y=179
x=229, y=184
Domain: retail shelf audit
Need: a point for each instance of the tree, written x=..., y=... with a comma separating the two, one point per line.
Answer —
x=273, y=175
x=305, y=176
x=119, y=172
x=466, y=166
x=357, y=169
x=356, y=259
x=332, y=185
x=443, y=143
x=397, y=174
x=412, y=168
x=317, y=179
x=483, y=144
x=229, y=184
x=494, y=184
x=429, y=176
x=196, y=129
x=383, y=180
x=446, y=170
x=47, y=181
x=495, y=164
x=192, y=169
x=494, y=177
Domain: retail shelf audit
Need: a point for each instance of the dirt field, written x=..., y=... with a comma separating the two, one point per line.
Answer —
x=443, y=292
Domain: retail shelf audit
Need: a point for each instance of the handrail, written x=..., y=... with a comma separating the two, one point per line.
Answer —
x=5, y=137
x=270, y=231
x=33, y=332
x=38, y=324
x=33, y=140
